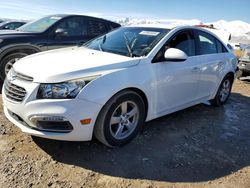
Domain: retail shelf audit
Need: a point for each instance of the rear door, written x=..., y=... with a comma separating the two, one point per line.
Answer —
x=212, y=58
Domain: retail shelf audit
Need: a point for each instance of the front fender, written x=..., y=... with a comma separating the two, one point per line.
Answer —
x=106, y=86
x=6, y=49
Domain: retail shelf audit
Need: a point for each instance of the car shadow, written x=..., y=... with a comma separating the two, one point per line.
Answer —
x=197, y=144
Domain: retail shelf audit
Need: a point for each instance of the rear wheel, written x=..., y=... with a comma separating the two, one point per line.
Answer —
x=223, y=92
x=8, y=62
x=120, y=119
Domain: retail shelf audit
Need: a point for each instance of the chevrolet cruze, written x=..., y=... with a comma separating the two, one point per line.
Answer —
x=111, y=85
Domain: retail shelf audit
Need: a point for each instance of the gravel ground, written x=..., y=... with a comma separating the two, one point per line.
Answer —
x=201, y=146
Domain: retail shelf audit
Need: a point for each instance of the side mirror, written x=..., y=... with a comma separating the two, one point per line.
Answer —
x=61, y=32
x=7, y=27
x=174, y=54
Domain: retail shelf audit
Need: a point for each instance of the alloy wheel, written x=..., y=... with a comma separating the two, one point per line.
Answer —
x=9, y=65
x=124, y=120
x=225, y=90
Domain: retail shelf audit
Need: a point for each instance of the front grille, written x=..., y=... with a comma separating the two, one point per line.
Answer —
x=24, y=77
x=14, y=92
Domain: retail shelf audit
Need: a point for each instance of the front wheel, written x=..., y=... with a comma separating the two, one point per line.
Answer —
x=8, y=62
x=120, y=119
x=223, y=92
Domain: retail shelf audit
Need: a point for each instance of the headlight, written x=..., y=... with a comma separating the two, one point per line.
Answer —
x=1, y=40
x=64, y=90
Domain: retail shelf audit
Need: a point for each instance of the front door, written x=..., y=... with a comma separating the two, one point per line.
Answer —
x=74, y=33
x=176, y=81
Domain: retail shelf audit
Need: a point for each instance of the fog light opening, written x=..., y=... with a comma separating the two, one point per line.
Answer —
x=51, y=124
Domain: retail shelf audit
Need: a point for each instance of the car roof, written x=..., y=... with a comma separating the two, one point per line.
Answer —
x=162, y=26
x=176, y=28
x=166, y=26
x=12, y=21
x=82, y=15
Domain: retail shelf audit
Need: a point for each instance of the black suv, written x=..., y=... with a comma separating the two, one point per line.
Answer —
x=48, y=33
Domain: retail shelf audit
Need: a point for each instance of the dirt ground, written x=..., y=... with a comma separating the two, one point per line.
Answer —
x=201, y=146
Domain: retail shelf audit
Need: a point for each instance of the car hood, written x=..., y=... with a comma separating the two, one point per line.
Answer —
x=70, y=63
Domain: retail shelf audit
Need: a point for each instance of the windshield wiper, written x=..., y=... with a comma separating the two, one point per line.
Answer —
x=127, y=45
x=102, y=42
x=100, y=47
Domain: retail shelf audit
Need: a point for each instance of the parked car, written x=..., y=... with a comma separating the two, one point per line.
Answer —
x=11, y=25
x=113, y=84
x=244, y=63
x=48, y=33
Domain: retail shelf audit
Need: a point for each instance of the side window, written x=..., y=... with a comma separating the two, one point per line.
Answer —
x=9, y=26
x=95, y=27
x=207, y=43
x=184, y=41
x=18, y=25
x=73, y=27
x=14, y=25
x=220, y=47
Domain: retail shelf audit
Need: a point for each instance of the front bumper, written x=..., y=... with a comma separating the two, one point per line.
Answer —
x=244, y=66
x=73, y=110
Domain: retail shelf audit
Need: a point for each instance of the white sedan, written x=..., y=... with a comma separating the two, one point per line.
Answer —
x=113, y=84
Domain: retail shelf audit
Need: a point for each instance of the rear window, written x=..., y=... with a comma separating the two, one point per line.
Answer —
x=220, y=47
x=208, y=44
x=96, y=28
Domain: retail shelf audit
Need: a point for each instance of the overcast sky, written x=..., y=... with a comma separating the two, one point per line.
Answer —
x=204, y=10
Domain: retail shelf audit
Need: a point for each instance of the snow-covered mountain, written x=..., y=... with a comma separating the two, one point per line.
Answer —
x=172, y=22
x=239, y=30
x=235, y=27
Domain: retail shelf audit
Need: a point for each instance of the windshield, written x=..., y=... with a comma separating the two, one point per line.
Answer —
x=39, y=25
x=128, y=41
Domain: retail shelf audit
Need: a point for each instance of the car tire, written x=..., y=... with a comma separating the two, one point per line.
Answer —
x=223, y=92
x=8, y=62
x=120, y=119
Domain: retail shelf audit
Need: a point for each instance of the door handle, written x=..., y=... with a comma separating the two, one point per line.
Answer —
x=220, y=63
x=196, y=69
